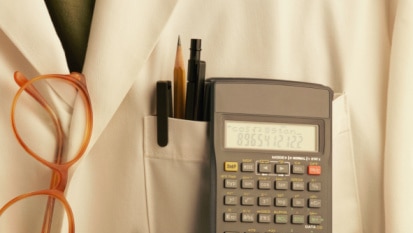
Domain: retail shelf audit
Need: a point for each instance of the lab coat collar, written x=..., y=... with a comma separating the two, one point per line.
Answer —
x=27, y=23
x=122, y=37
x=123, y=34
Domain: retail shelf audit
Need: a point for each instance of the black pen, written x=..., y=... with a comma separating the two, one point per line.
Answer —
x=163, y=110
x=195, y=84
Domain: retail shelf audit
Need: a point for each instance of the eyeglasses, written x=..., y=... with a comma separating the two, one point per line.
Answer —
x=48, y=99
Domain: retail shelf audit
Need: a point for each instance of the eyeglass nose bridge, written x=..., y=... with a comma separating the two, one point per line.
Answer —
x=60, y=176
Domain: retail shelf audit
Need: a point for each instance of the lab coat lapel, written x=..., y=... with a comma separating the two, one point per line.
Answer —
x=122, y=37
x=27, y=23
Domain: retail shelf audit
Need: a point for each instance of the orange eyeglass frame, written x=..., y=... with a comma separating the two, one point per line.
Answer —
x=60, y=169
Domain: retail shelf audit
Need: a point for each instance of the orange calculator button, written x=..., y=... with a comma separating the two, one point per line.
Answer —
x=314, y=170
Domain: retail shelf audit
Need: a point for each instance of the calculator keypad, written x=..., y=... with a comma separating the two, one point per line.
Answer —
x=274, y=194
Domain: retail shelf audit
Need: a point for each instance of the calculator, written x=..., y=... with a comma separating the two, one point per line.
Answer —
x=271, y=156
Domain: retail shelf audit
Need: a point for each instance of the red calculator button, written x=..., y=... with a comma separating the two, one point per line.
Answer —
x=314, y=170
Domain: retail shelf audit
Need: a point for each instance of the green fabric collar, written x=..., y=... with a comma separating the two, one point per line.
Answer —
x=72, y=20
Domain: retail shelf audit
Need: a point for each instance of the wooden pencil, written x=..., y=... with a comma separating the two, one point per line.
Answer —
x=179, y=83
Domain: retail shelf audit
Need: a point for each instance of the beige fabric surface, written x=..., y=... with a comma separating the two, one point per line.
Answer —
x=361, y=48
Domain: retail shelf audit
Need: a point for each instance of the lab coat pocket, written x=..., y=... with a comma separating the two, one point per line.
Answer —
x=177, y=177
x=346, y=205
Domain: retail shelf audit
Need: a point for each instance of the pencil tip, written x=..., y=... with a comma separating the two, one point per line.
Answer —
x=179, y=40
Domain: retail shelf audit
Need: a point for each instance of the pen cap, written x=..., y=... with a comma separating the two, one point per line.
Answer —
x=163, y=110
x=195, y=49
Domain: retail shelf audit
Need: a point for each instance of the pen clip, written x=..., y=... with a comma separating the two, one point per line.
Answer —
x=164, y=110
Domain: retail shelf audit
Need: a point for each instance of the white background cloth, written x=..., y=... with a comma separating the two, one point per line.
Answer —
x=360, y=48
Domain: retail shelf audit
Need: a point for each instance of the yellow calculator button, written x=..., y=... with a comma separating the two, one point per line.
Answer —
x=231, y=166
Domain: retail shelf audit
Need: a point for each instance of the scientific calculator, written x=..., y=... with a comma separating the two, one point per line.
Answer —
x=270, y=156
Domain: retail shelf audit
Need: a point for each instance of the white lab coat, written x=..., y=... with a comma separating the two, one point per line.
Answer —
x=126, y=183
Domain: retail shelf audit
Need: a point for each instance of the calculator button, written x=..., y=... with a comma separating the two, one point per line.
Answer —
x=264, y=184
x=314, y=203
x=247, y=200
x=297, y=186
x=230, y=183
x=248, y=167
x=315, y=219
x=297, y=202
x=247, y=217
x=314, y=186
x=281, y=218
x=298, y=169
x=247, y=184
x=264, y=218
x=264, y=167
x=281, y=202
x=282, y=168
x=264, y=201
x=230, y=217
x=281, y=185
x=297, y=219
x=230, y=200
x=314, y=170
x=231, y=166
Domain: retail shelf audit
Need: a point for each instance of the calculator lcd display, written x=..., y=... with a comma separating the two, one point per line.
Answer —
x=271, y=136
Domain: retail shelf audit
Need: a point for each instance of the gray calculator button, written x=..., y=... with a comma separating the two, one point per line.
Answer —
x=298, y=169
x=230, y=217
x=281, y=202
x=297, y=202
x=314, y=186
x=297, y=219
x=247, y=184
x=264, y=167
x=264, y=184
x=264, y=218
x=281, y=218
x=247, y=200
x=264, y=201
x=230, y=200
x=314, y=203
x=282, y=168
x=248, y=167
x=247, y=217
x=297, y=186
x=281, y=185
x=315, y=219
x=231, y=183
